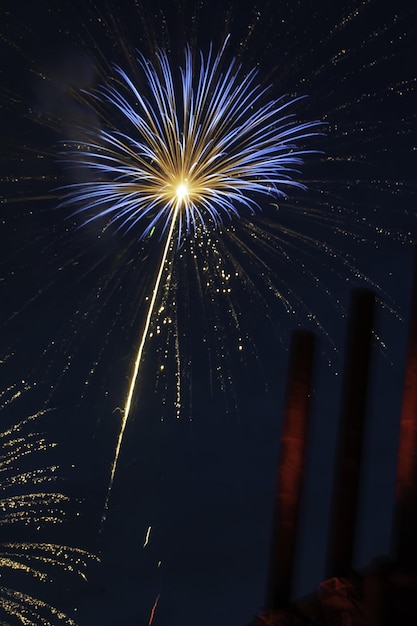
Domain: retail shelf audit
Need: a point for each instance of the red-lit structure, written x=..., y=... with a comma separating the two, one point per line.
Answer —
x=386, y=593
x=290, y=470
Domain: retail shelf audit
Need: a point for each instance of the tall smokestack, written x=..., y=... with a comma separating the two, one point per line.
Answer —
x=406, y=488
x=290, y=470
x=351, y=432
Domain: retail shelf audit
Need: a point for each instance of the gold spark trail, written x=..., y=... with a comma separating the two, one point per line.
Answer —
x=138, y=360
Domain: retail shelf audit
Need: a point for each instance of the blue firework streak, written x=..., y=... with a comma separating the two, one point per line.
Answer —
x=209, y=148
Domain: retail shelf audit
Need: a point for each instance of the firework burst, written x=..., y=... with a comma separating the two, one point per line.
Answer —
x=194, y=156
x=28, y=500
x=200, y=151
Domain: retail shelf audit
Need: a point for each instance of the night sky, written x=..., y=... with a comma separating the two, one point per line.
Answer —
x=198, y=461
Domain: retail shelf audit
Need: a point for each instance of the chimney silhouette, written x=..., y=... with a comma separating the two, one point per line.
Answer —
x=351, y=432
x=290, y=470
x=406, y=486
x=385, y=593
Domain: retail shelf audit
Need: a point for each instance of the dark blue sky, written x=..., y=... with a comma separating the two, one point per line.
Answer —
x=73, y=301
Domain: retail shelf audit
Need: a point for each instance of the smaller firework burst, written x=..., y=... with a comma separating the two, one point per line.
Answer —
x=28, y=499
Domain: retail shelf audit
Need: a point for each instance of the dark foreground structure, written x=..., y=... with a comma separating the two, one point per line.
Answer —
x=384, y=594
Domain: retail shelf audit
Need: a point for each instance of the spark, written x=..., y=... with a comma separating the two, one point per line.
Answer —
x=148, y=533
x=155, y=604
x=195, y=156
